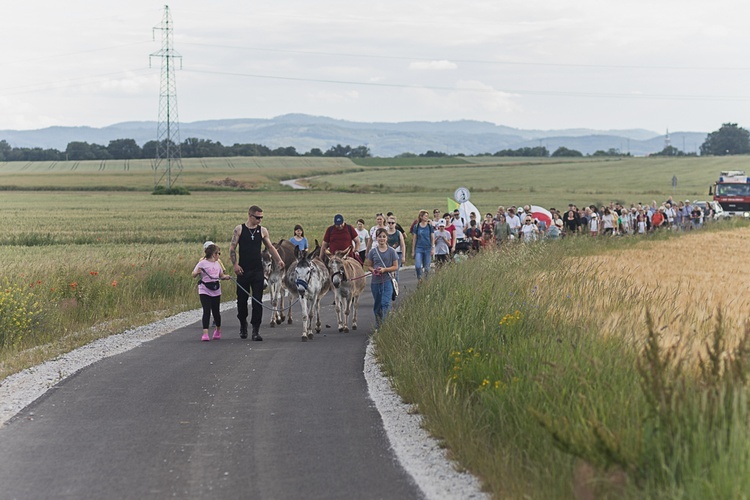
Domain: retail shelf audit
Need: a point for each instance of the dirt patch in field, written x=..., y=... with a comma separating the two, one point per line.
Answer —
x=233, y=183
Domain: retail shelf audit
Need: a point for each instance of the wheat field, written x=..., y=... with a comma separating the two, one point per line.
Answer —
x=682, y=282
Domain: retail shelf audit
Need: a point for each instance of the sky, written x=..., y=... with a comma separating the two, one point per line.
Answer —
x=596, y=64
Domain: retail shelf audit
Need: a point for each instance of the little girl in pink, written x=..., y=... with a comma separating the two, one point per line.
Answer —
x=209, y=290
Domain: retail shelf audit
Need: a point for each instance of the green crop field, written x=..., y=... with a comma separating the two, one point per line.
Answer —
x=492, y=181
x=242, y=173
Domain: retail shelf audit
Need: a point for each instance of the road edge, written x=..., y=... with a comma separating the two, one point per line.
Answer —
x=417, y=452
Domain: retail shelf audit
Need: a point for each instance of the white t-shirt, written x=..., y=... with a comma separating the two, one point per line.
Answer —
x=514, y=222
x=373, y=229
x=362, y=233
x=528, y=231
x=459, y=225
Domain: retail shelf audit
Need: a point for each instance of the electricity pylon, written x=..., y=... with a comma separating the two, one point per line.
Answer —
x=168, y=162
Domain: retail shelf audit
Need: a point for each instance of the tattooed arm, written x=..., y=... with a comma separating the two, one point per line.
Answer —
x=233, y=250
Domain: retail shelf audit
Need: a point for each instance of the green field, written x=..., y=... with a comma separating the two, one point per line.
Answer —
x=492, y=181
x=244, y=173
x=90, y=252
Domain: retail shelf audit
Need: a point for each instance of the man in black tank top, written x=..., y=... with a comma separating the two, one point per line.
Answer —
x=249, y=268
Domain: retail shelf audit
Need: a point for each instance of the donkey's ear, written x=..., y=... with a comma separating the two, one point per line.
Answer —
x=297, y=252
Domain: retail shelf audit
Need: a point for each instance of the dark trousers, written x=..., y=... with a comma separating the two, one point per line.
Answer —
x=210, y=306
x=253, y=283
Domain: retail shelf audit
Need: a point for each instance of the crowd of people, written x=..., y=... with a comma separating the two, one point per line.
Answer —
x=443, y=237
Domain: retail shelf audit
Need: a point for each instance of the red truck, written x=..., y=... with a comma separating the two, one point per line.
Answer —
x=732, y=192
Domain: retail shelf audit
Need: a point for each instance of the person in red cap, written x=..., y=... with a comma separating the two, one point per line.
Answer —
x=340, y=237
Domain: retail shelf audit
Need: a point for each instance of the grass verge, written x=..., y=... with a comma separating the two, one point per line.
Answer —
x=529, y=368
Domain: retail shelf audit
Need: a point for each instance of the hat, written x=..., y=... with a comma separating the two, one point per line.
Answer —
x=559, y=222
x=208, y=244
x=338, y=219
x=441, y=222
x=594, y=215
x=687, y=201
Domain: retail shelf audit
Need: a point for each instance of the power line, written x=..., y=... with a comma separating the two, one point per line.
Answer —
x=554, y=93
x=67, y=54
x=470, y=61
x=68, y=83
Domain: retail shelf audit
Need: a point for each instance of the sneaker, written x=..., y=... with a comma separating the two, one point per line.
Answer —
x=217, y=335
x=205, y=337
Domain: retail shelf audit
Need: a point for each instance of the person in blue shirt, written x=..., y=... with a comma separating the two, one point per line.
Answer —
x=299, y=239
x=423, y=247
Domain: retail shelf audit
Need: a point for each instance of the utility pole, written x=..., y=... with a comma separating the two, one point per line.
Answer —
x=168, y=156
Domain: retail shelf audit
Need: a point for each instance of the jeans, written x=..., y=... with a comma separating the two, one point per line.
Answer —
x=400, y=263
x=381, y=294
x=422, y=261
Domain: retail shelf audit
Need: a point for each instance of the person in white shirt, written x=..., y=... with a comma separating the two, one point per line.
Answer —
x=529, y=231
x=514, y=222
x=669, y=214
x=379, y=223
x=459, y=223
x=363, y=237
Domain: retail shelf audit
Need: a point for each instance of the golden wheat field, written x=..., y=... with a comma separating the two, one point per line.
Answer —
x=682, y=282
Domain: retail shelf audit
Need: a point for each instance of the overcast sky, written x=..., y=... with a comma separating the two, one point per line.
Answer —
x=654, y=64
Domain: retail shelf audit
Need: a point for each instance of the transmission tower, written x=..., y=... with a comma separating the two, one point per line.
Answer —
x=168, y=162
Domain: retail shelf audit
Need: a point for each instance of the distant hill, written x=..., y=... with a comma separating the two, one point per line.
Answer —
x=305, y=132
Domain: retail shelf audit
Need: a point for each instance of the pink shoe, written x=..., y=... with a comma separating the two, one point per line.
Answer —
x=205, y=337
x=217, y=335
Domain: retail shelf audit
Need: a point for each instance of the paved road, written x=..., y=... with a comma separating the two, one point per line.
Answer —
x=177, y=417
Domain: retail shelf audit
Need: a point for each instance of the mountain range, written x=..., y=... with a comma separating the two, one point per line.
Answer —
x=305, y=132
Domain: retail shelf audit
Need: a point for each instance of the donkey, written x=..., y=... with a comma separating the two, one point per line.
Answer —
x=275, y=277
x=310, y=278
x=348, y=279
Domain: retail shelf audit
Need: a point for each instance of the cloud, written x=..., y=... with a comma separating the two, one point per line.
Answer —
x=433, y=65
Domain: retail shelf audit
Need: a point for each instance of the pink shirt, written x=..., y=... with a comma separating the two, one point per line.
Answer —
x=214, y=270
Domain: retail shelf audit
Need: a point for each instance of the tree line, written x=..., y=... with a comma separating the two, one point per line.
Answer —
x=128, y=149
x=730, y=139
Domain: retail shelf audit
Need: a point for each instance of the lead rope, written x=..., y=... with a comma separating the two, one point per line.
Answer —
x=258, y=301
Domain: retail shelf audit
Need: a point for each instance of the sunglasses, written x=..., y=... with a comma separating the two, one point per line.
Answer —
x=391, y=222
x=259, y=217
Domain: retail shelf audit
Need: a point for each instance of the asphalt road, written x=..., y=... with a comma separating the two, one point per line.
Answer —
x=177, y=417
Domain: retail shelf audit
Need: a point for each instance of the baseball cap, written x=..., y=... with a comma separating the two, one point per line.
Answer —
x=338, y=219
x=207, y=244
x=441, y=222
